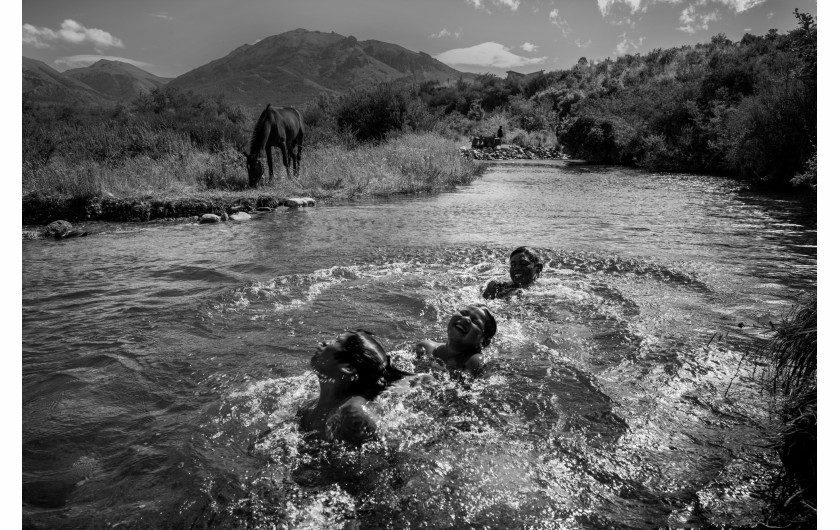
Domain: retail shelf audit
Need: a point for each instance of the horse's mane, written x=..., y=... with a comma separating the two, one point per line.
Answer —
x=259, y=130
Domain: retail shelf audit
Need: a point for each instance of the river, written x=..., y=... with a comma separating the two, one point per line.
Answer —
x=618, y=396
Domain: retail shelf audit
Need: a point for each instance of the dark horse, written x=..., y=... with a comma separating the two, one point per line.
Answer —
x=281, y=128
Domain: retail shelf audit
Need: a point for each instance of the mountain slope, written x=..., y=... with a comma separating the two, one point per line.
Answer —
x=117, y=80
x=47, y=85
x=296, y=66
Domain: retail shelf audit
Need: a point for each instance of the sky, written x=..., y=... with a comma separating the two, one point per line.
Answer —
x=170, y=38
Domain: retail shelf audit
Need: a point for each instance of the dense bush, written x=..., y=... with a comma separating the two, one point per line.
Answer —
x=746, y=109
x=373, y=114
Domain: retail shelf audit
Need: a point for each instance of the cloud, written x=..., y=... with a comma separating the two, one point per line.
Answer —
x=636, y=6
x=740, y=5
x=692, y=21
x=71, y=32
x=528, y=47
x=491, y=54
x=513, y=5
x=580, y=44
x=555, y=18
x=446, y=33
x=161, y=14
x=624, y=47
x=80, y=61
x=606, y=5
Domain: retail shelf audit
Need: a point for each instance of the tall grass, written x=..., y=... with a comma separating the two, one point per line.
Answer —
x=792, y=357
x=166, y=164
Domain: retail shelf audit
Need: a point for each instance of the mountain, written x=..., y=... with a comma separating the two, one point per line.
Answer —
x=117, y=80
x=294, y=67
x=47, y=85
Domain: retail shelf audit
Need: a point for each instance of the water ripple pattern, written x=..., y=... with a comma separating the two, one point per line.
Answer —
x=163, y=364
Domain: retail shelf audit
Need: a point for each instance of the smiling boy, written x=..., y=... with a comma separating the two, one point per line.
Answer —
x=525, y=268
x=467, y=333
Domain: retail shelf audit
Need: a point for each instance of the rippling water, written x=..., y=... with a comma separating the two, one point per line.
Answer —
x=154, y=354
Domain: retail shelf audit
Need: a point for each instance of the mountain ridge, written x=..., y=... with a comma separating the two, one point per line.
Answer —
x=289, y=68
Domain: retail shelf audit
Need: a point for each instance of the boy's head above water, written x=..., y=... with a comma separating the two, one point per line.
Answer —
x=353, y=359
x=525, y=266
x=471, y=328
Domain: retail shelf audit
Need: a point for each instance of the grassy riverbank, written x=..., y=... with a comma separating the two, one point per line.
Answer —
x=411, y=163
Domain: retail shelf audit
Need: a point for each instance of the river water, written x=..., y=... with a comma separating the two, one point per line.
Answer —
x=617, y=396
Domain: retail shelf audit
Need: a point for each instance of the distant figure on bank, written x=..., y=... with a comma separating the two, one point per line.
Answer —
x=352, y=371
x=525, y=268
x=499, y=133
x=468, y=332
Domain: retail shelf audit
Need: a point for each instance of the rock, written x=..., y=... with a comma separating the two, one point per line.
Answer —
x=296, y=202
x=209, y=218
x=264, y=209
x=57, y=229
x=74, y=233
x=224, y=216
x=32, y=234
x=240, y=216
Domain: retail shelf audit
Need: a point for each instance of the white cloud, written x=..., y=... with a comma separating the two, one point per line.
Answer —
x=513, y=5
x=581, y=44
x=161, y=14
x=71, y=32
x=692, y=20
x=491, y=54
x=528, y=47
x=446, y=33
x=606, y=5
x=624, y=47
x=555, y=18
x=740, y=5
x=38, y=37
x=635, y=6
x=80, y=61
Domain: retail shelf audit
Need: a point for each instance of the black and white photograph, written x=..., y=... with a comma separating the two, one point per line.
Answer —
x=389, y=264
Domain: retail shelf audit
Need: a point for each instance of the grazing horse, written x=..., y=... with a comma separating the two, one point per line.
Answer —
x=281, y=127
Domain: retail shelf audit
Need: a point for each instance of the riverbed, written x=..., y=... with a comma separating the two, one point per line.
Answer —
x=618, y=394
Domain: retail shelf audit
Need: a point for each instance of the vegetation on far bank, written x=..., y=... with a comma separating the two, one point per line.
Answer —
x=744, y=108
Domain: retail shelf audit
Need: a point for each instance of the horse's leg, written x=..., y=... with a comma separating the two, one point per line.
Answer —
x=284, y=149
x=270, y=163
x=297, y=158
x=284, y=146
x=291, y=146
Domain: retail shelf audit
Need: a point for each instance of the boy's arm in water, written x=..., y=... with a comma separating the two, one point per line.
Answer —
x=496, y=289
x=475, y=364
x=353, y=422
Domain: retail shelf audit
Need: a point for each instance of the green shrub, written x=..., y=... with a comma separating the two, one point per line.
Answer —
x=373, y=114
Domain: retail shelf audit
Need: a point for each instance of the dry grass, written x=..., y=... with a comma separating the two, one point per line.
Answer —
x=409, y=163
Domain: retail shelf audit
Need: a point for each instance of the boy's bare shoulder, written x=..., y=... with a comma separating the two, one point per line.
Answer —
x=426, y=347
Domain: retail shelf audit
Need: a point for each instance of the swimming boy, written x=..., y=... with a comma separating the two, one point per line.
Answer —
x=467, y=333
x=525, y=268
x=352, y=371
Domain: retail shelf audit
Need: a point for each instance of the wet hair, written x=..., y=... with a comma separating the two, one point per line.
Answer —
x=489, y=325
x=365, y=353
x=528, y=252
